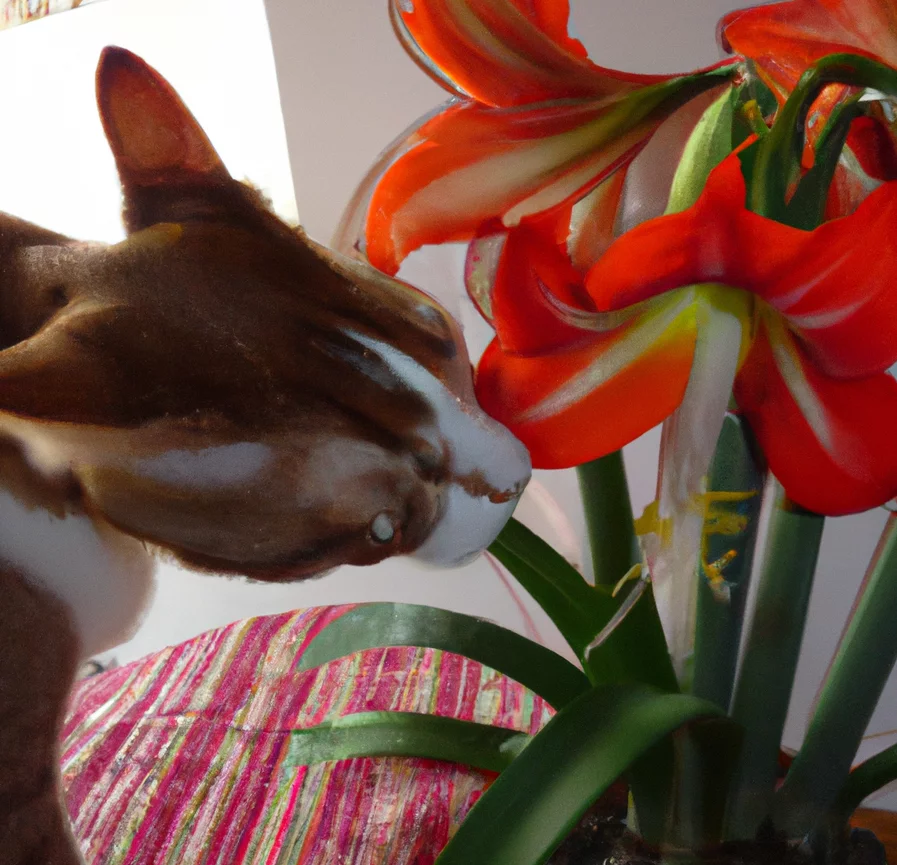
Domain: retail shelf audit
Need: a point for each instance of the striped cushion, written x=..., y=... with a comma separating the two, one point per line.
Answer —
x=183, y=757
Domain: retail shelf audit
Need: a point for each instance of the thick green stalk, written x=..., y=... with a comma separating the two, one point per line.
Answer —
x=764, y=685
x=867, y=778
x=731, y=528
x=855, y=681
x=608, y=511
x=638, y=642
x=778, y=158
x=707, y=757
x=707, y=762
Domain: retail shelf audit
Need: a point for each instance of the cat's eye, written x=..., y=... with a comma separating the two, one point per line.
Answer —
x=383, y=529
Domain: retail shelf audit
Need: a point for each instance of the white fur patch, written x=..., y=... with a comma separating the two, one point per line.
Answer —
x=104, y=577
x=467, y=526
x=213, y=467
x=478, y=443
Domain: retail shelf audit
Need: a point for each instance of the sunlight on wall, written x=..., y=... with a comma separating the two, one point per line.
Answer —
x=55, y=166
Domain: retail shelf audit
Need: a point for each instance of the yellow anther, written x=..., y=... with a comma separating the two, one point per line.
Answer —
x=651, y=523
x=719, y=519
x=714, y=570
x=754, y=117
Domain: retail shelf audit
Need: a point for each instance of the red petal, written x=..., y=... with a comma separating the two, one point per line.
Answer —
x=858, y=468
x=593, y=221
x=567, y=407
x=784, y=39
x=533, y=270
x=506, y=52
x=836, y=285
x=869, y=158
x=476, y=165
x=872, y=143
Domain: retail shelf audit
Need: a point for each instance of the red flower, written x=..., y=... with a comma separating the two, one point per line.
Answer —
x=576, y=377
x=537, y=125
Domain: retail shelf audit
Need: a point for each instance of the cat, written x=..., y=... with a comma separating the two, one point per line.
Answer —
x=218, y=386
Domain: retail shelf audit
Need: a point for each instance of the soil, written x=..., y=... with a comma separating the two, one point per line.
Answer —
x=601, y=838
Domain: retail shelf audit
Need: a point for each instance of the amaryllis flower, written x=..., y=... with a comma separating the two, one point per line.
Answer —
x=534, y=127
x=676, y=315
x=817, y=331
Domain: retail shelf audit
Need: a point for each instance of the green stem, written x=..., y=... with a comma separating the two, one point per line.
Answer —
x=707, y=762
x=707, y=757
x=853, y=686
x=806, y=209
x=637, y=650
x=608, y=511
x=779, y=153
x=720, y=619
x=866, y=779
x=764, y=686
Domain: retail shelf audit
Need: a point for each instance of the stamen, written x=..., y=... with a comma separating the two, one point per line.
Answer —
x=721, y=521
x=718, y=520
x=623, y=610
x=634, y=573
x=752, y=115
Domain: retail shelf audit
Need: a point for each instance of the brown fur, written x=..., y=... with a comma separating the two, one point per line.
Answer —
x=39, y=651
x=217, y=324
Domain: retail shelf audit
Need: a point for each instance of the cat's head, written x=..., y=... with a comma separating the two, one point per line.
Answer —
x=223, y=386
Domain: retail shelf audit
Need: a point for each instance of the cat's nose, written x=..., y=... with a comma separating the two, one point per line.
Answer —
x=478, y=502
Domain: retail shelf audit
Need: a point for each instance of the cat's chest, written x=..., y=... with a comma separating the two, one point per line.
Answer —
x=103, y=576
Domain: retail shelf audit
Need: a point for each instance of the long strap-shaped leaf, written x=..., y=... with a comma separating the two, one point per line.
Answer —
x=867, y=778
x=406, y=734
x=578, y=611
x=535, y=802
x=373, y=625
x=635, y=652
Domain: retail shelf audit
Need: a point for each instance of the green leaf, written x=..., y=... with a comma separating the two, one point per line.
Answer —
x=708, y=145
x=406, y=734
x=535, y=802
x=577, y=610
x=638, y=648
x=867, y=778
x=853, y=685
x=371, y=626
x=807, y=206
x=635, y=652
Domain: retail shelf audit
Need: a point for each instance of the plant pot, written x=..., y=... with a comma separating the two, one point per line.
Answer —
x=601, y=837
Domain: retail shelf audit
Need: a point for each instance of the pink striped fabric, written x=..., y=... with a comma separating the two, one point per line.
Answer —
x=183, y=757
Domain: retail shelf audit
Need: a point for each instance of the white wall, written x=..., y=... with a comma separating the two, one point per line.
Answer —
x=347, y=89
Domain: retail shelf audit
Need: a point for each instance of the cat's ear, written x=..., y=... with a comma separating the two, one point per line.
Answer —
x=168, y=167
